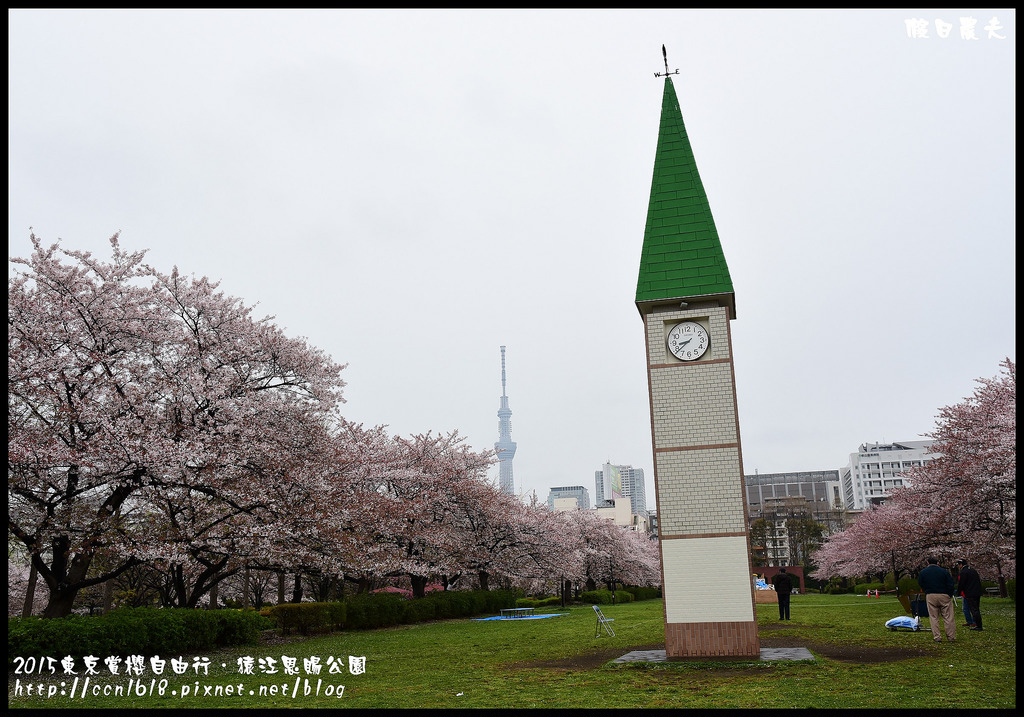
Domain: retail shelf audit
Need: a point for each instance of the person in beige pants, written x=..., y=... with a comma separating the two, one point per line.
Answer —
x=937, y=585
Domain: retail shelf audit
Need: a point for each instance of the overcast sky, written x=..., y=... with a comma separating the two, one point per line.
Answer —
x=411, y=190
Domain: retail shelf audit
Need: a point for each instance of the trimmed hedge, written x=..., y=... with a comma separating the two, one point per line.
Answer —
x=132, y=631
x=149, y=631
x=643, y=593
x=862, y=588
x=908, y=585
x=604, y=597
x=308, y=617
x=365, y=612
x=538, y=602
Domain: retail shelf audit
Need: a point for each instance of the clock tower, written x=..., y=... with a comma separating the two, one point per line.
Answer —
x=685, y=297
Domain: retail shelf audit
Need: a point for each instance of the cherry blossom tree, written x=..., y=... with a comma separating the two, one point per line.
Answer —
x=971, y=488
x=128, y=387
x=156, y=428
x=962, y=504
x=519, y=542
x=884, y=538
x=642, y=565
x=333, y=518
x=599, y=551
x=19, y=585
x=435, y=473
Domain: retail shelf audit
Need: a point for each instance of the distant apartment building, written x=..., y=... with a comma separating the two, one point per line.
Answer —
x=877, y=469
x=821, y=489
x=830, y=497
x=569, y=498
x=614, y=481
x=779, y=498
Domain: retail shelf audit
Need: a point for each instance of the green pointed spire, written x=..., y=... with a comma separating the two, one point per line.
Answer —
x=682, y=256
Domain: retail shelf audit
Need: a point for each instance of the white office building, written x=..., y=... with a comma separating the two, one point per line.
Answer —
x=877, y=469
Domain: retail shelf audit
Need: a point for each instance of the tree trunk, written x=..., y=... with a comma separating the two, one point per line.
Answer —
x=212, y=605
x=60, y=602
x=64, y=578
x=246, y=587
x=280, y=587
x=484, y=576
x=108, y=596
x=297, y=594
x=30, y=590
x=419, y=585
x=1000, y=578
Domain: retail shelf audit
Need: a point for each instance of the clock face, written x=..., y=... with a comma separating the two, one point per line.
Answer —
x=688, y=341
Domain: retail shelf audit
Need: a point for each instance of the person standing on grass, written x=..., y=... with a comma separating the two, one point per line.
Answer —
x=968, y=620
x=969, y=585
x=783, y=585
x=937, y=585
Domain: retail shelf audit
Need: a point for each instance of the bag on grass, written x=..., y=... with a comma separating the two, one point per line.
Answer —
x=907, y=623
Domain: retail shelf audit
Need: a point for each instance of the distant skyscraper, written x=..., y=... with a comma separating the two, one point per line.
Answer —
x=505, y=447
x=621, y=482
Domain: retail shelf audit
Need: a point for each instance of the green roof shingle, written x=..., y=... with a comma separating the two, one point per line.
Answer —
x=682, y=256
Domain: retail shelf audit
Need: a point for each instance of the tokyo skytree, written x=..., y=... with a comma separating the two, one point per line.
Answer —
x=505, y=447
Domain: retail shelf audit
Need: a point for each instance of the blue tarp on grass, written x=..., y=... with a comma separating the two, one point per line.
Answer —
x=514, y=619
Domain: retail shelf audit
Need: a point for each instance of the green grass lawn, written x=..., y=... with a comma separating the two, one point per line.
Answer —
x=557, y=662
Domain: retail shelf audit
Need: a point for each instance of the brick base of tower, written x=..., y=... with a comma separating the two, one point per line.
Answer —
x=722, y=640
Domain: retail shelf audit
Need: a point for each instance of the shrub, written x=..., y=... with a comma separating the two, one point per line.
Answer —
x=309, y=617
x=1011, y=589
x=420, y=611
x=242, y=627
x=643, y=592
x=908, y=585
x=840, y=590
x=604, y=597
x=364, y=612
x=132, y=631
x=383, y=609
x=596, y=597
x=452, y=603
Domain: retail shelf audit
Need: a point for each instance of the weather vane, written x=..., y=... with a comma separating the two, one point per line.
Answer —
x=666, y=73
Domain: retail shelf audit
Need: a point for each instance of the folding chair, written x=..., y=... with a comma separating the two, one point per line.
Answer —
x=602, y=620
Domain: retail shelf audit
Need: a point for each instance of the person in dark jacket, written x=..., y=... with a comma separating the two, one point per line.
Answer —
x=969, y=585
x=937, y=585
x=783, y=585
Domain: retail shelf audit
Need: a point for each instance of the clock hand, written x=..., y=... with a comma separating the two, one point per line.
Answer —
x=683, y=343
